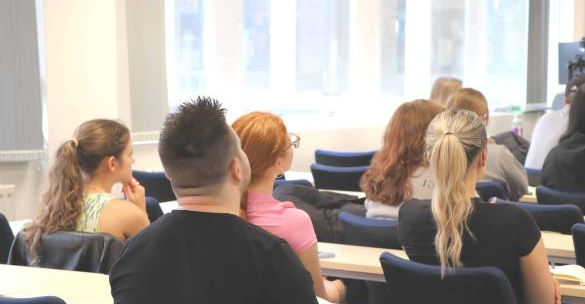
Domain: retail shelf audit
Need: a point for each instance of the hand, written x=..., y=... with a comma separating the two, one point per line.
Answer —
x=557, y=291
x=335, y=290
x=134, y=192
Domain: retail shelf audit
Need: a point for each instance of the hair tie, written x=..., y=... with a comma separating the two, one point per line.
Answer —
x=449, y=133
x=75, y=142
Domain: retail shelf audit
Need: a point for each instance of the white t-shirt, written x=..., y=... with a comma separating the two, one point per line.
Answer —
x=422, y=188
x=545, y=136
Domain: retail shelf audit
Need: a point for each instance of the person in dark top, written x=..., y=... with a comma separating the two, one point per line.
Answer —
x=456, y=229
x=563, y=168
x=204, y=253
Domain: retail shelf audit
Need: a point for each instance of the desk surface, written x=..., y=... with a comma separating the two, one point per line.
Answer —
x=72, y=286
x=559, y=245
x=363, y=263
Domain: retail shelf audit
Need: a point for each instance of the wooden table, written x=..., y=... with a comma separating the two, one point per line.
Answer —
x=356, y=262
x=74, y=287
x=559, y=247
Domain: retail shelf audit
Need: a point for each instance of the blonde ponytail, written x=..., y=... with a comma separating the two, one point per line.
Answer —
x=453, y=139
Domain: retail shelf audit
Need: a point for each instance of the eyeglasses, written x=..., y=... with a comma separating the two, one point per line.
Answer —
x=295, y=140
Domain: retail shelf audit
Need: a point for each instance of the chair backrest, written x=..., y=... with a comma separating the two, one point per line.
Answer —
x=153, y=209
x=549, y=196
x=35, y=300
x=337, y=178
x=558, y=218
x=412, y=282
x=301, y=182
x=489, y=189
x=69, y=250
x=343, y=159
x=578, y=233
x=6, y=238
x=156, y=185
x=534, y=176
x=363, y=231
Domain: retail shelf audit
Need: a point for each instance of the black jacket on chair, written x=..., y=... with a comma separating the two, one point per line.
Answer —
x=68, y=250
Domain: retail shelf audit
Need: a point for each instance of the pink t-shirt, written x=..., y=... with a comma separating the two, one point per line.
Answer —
x=282, y=219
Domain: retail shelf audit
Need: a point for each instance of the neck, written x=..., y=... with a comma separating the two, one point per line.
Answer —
x=264, y=184
x=98, y=184
x=470, y=181
x=223, y=202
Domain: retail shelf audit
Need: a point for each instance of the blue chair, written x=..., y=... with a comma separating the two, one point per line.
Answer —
x=534, y=176
x=363, y=231
x=35, y=300
x=6, y=238
x=343, y=159
x=578, y=233
x=337, y=178
x=156, y=185
x=549, y=196
x=489, y=189
x=282, y=181
x=558, y=218
x=153, y=209
x=412, y=282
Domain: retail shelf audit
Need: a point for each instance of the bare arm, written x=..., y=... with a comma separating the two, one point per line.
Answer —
x=538, y=282
x=332, y=291
x=122, y=219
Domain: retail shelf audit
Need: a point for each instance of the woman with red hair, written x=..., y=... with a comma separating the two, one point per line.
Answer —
x=269, y=148
x=400, y=171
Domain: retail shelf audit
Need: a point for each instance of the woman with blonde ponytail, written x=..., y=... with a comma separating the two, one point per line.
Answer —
x=457, y=229
x=80, y=181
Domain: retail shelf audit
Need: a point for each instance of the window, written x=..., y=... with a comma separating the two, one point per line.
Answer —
x=297, y=55
x=185, y=49
x=322, y=46
x=392, y=22
x=506, y=52
x=561, y=29
x=256, y=43
x=447, y=38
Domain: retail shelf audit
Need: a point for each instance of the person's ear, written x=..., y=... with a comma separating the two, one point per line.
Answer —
x=483, y=160
x=278, y=166
x=236, y=169
x=111, y=163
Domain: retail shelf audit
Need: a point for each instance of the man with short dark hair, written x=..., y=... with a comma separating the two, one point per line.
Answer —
x=550, y=127
x=204, y=253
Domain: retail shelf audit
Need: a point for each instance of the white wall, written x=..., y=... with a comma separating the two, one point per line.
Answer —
x=82, y=65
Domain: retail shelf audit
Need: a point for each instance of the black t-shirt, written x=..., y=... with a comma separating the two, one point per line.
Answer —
x=564, y=167
x=503, y=234
x=198, y=257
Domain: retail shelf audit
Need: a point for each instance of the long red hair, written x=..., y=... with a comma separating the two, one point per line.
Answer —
x=386, y=180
